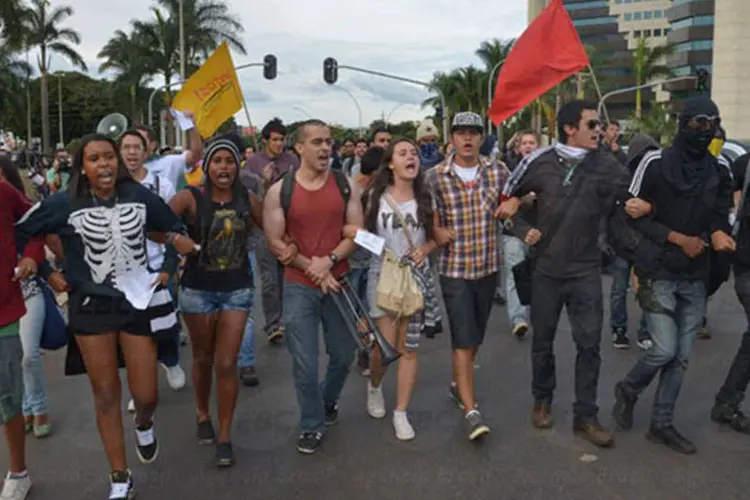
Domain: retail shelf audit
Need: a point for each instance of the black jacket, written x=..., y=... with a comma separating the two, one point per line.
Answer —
x=699, y=215
x=574, y=250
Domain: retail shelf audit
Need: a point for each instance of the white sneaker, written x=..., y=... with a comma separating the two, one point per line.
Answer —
x=375, y=401
x=404, y=430
x=15, y=488
x=175, y=376
x=131, y=406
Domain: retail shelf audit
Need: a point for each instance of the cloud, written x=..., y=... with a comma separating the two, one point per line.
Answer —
x=410, y=38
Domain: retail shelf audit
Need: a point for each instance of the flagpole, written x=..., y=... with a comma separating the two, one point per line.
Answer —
x=598, y=91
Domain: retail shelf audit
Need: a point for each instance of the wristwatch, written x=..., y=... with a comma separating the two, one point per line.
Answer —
x=334, y=258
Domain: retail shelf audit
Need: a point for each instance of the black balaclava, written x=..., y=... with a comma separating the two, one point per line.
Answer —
x=688, y=165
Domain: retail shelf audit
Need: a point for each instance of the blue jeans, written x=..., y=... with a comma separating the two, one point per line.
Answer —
x=30, y=330
x=168, y=350
x=515, y=251
x=619, y=299
x=674, y=311
x=246, y=357
x=304, y=310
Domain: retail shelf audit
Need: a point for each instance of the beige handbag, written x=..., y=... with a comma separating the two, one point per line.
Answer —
x=397, y=291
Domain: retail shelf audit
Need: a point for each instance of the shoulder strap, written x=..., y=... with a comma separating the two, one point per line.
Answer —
x=156, y=183
x=401, y=220
x=343, y=184
x=287, y=189
x=741, y=204
x=288, y=181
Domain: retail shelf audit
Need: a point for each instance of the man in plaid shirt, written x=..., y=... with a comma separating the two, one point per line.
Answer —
x=467, y=189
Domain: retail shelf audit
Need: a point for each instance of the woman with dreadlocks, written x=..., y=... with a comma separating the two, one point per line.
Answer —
x=216, y=289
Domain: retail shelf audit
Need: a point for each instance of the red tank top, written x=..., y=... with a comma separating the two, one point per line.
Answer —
x=316, y=221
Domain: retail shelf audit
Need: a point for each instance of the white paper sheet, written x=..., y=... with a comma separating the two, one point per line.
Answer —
x=370, y=241
x=183, y=121
x=138, y=286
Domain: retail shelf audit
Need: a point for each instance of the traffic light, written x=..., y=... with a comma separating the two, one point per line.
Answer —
x=439, y=112
x=330, y=70
x=702, y=83
x=269, y=67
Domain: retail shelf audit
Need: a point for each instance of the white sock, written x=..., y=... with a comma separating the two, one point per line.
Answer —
x=399, y=414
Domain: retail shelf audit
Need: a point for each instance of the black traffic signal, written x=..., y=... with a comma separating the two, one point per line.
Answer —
x=439, y=112
x=702, y=83
x=269, y=67
x=330, y=70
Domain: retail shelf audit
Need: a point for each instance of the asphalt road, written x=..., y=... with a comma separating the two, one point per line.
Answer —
x=361, y=458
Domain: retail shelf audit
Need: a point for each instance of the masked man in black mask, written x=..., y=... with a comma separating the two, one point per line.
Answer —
x=691, y=193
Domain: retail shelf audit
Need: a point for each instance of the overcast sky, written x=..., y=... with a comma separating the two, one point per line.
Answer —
x=411, y=38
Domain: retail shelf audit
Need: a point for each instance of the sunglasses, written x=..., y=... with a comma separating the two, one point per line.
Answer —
x=704, y=123
x=592, y=124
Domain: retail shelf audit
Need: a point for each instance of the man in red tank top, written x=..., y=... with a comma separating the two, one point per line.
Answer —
x=315, y=221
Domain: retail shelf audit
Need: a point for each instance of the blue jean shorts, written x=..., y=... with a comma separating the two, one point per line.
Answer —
x=11, y=377
x=194, y=301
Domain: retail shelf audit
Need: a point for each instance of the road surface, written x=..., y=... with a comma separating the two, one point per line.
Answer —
x=362, y=460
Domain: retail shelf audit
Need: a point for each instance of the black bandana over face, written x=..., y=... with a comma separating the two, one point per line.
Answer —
x=688, y=165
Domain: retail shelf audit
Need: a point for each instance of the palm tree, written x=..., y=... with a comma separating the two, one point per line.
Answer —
x=158, y=48
x=207, y=23
x=648, y=64
x=13, y=14
x=14, y=80
x=121, y=55
x=45, y=32
x=492, y=53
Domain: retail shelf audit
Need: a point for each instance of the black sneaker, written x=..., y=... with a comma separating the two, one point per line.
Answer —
x=670, y=437
x=456, y=398
x=499, y=299
x=248, y=376
x=622, y=412
x=620, y=339
x=276, y=336
x=731, y=416
x=332, y=414
x=205, y=432
x=146, y=445
x=122, y=487
x=309, y=442
x=475, y=425
x=224, y=455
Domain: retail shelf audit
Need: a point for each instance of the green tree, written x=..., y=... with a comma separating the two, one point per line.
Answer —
x=44, y=31
x=121, y=55
x=649, y=64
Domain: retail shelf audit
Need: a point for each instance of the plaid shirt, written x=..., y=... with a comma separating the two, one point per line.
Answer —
x=469, y=211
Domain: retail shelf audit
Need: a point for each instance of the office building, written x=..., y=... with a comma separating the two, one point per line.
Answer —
x=731, y=66
x=692, y=34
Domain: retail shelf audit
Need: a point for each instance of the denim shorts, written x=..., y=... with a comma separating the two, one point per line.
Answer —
x=11, y=377
x=193, y=301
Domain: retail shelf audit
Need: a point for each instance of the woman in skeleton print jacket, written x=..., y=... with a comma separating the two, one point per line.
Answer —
x=103, y=221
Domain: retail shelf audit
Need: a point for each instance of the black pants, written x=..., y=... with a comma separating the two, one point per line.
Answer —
x=582, y=298
x=733, y=391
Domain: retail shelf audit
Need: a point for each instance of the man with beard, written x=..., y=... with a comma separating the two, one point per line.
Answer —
x=691, y=192
x=312, y=206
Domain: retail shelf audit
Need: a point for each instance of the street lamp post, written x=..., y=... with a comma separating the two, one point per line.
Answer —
x=396, y=107
x=601, y=105
x=490, y=79
x=303, y=111
x=359, y=108
x=182, y=59
x=407, y=80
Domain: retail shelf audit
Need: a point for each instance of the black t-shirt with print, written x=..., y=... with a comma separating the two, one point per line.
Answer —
x=222, y=264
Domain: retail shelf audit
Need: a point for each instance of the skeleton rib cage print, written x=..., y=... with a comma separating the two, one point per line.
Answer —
x=113, y=238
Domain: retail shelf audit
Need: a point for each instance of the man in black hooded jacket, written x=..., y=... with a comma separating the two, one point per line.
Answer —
x=691, y=193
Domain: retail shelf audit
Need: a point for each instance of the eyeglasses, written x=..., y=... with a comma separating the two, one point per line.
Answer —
x=592, y=124
x=704, y=123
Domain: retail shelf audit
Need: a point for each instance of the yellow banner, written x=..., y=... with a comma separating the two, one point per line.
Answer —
x=213, y=93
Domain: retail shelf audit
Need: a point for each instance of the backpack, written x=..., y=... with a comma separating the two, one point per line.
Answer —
x=289, y=181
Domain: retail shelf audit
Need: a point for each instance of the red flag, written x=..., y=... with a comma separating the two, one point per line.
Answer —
x=548, y=52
